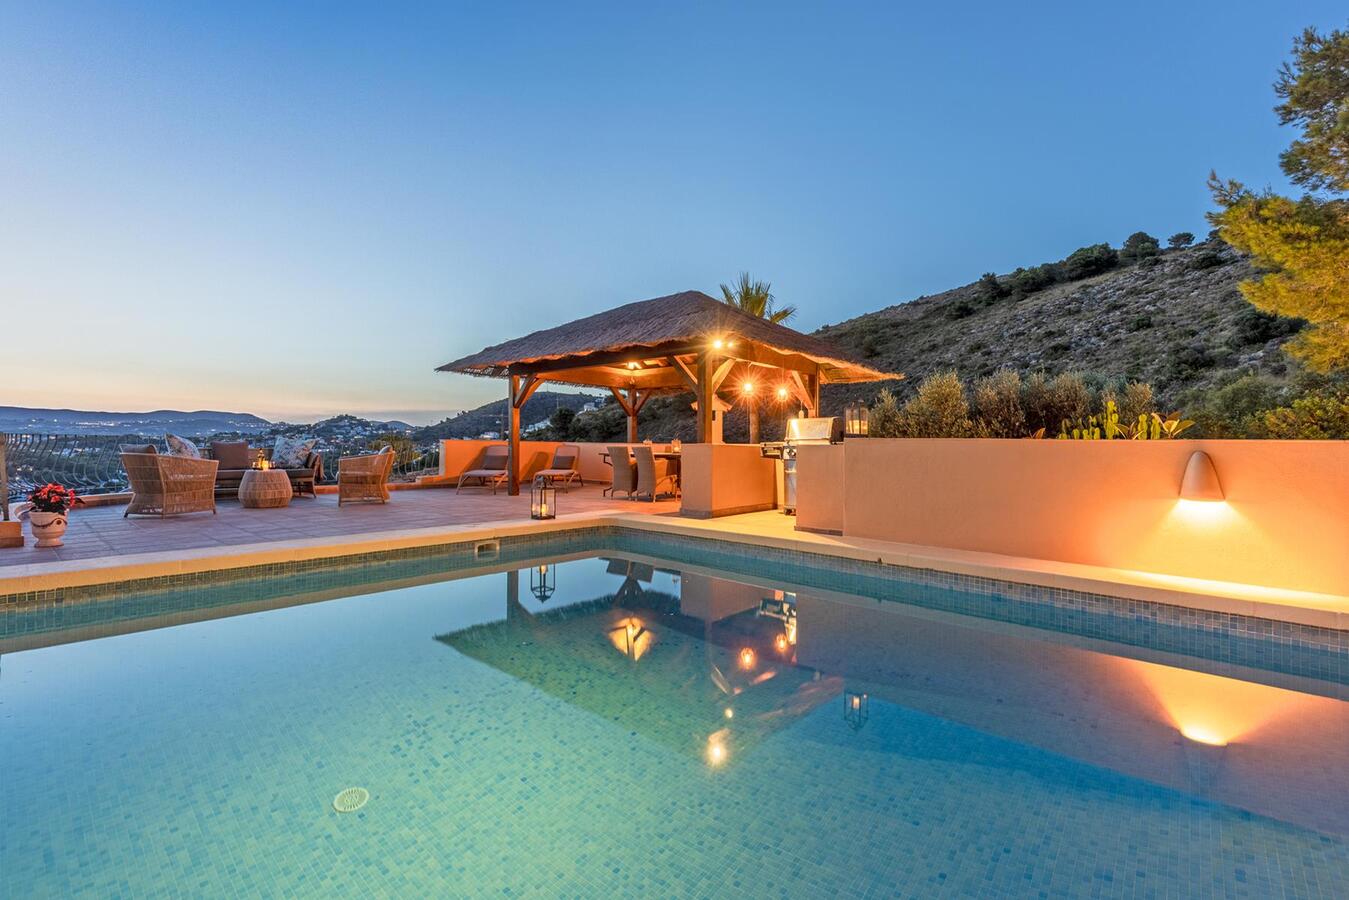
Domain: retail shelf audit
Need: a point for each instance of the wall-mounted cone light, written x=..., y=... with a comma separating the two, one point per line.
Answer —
x=1201, y=479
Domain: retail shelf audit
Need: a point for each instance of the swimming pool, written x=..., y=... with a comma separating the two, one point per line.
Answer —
x=567, y=721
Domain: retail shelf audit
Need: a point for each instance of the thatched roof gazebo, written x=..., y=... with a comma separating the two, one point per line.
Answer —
x=683, y=342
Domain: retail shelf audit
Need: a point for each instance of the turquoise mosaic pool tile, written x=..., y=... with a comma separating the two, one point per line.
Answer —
x=203, y=760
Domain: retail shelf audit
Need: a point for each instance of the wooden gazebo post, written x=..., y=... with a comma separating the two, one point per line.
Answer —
x=521, y=390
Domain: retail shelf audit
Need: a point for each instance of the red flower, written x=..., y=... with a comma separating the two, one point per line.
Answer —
x=53, y=498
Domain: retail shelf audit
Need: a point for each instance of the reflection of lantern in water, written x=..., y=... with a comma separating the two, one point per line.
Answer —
x=542, y=582
x=781, y=644
x=631, y=638
x=855, y=708
x=716, y=752
x=747, y=658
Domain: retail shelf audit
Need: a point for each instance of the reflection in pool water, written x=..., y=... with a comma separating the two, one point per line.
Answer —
x=642, y=727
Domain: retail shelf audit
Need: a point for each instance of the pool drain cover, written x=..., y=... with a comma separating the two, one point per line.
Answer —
x=351, y=800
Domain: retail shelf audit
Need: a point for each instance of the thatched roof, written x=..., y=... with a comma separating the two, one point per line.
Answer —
x=610, y=345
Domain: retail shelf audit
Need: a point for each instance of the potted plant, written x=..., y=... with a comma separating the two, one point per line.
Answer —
x=48, y=508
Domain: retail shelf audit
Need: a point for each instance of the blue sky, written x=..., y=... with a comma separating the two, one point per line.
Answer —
x=303, y=210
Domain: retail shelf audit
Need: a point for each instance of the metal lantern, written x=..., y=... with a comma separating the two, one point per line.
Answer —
x=855, y=419
x=854, y=709
x=542, y=582
x=542, y=499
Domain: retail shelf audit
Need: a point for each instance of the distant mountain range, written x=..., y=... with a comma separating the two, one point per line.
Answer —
x=189, y=424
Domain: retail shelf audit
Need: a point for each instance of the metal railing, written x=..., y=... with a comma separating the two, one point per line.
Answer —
x=92, y=464
x=89, y=463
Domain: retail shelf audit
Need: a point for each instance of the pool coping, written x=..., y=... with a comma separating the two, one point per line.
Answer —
x=1296, y=607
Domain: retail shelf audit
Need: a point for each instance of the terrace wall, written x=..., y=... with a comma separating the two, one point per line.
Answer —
x=1285, y=522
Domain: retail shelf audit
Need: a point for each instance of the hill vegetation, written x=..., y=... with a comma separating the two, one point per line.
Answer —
x=491, y=417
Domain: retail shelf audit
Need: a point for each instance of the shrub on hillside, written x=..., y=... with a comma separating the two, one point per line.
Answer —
x=938, y=409
x=997, y=405
x=883, y=420
x=1025, y=282
x=1180, y=240
x=1207, y=259
x=1139, y=246
x=1136, y=400
x=1088, y=261
x=1069, y=398
x=1235, y=410
x=990, y=288
x=1255, y=326
x=961, y=309
x=1317, y=417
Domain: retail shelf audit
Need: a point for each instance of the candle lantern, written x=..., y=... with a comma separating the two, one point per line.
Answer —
x=854, y=709
x=855, y=419
x=542, y=499
x=542, y=582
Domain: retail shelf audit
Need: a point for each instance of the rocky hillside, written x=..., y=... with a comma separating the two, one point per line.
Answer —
x=491, y=416
x=1175, y=319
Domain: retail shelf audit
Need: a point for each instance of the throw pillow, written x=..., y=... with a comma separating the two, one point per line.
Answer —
x=181, y=446
x=232, y=454
x=292, y=453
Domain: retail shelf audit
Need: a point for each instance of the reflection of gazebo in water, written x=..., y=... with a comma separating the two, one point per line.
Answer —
x=683, y=342
x=638, y=659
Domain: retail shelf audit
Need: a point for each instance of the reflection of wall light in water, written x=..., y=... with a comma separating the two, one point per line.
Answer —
x=730, y=713
x=716, y=751
x=1213, y=709
x=630, y=638
x=780, y=643
x=747, y=658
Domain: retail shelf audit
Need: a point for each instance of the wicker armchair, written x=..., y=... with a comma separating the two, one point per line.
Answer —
x=366, y=477
x=164, y=485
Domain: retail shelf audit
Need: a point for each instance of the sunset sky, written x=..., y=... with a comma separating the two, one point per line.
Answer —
x=299, y=212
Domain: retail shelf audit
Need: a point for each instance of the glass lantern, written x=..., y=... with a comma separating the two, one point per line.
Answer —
x=542, y=582
x=855, y=416
x=542, y=499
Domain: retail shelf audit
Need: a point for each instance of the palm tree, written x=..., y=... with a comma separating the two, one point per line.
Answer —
x=755, y=298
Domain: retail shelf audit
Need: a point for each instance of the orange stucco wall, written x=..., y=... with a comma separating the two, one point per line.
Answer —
x=724, y=479
x=819, y=488
x=1285, y=522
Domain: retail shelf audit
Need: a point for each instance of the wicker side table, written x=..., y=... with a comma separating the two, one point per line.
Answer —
x=265, y=489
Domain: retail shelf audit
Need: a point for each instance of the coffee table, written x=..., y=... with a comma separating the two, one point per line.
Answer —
x=265, y=489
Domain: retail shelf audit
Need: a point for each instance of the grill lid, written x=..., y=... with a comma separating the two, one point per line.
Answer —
x=823, y=429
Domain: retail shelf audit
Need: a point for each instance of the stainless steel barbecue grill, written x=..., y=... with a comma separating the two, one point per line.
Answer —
x=823, y=430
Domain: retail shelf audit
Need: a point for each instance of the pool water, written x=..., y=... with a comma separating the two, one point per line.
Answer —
x=622, y=726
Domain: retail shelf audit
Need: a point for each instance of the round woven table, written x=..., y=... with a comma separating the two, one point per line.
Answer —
x=265, y=489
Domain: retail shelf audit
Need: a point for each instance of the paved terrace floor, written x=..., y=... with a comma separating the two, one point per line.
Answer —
x=100, y=532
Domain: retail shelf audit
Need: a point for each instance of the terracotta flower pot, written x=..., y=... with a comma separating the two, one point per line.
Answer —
x=47, y=527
